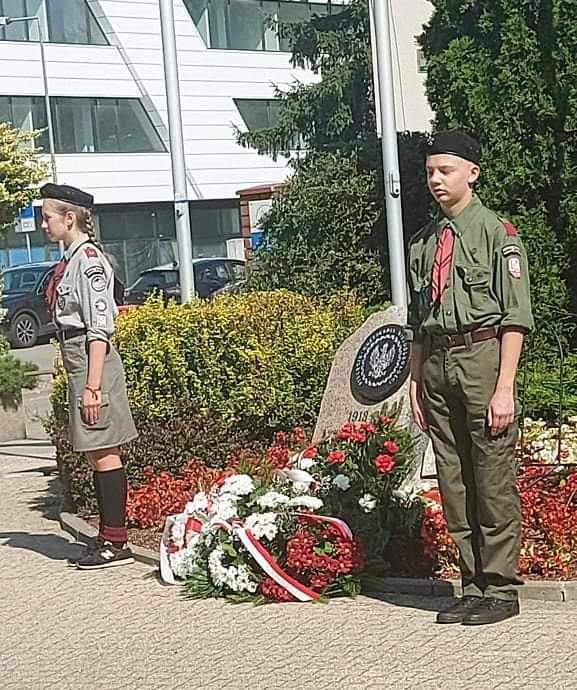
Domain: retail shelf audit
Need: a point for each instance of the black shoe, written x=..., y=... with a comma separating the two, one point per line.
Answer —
x=90, y=547
x=106, y=556
x=457, y=612
x=492, y=611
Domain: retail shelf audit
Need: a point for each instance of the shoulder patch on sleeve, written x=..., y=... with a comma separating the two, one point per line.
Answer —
x=91, y=252
x=511, y=250
x=510, y=229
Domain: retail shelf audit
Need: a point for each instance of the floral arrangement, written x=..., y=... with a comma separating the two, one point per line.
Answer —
x=261, y=539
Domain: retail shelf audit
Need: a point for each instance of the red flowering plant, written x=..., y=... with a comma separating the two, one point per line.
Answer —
x=548, y=494
x=358, y=470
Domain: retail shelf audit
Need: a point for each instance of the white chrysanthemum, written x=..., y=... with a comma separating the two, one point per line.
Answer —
x=308, y=502
x=177, y=531
x=237, y=485
x=224, y=508
x=342, y=482
x=215, y=567
x=368, y=503
x=199, y=503
x=262, y=525
x=272, y=499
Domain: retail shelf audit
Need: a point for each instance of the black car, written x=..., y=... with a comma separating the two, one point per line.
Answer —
x=27, y=316
x=210, y=276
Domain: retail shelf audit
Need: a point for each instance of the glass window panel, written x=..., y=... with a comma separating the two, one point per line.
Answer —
x=135, y=130
x=5, y=109
x=71, y=21
x=73, y=125
x=19, y=30
x=245, y=25
x=106, y=121
x=254, y=112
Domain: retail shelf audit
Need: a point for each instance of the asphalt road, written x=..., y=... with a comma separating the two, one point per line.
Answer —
x=41, y=355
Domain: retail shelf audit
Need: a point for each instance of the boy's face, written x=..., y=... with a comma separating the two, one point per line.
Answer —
x=450, y=178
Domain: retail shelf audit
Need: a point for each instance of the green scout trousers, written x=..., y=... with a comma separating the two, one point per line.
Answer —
x=476, y=472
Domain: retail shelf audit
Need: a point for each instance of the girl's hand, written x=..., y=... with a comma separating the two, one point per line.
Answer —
x=90, y=409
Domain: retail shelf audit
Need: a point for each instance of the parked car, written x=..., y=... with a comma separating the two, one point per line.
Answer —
x=210, y=276
x=27, y=316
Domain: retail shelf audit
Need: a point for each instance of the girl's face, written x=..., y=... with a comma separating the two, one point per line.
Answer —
x=55, y=224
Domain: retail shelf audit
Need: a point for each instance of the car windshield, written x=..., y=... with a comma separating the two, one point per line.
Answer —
x=155, y=279
x=24, y=280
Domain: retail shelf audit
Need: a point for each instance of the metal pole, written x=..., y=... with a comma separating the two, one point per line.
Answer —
x=51, y=145
x=392, y=176
x=181, y=213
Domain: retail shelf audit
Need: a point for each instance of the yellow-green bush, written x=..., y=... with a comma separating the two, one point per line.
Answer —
x=255, y=359
x=210, y=377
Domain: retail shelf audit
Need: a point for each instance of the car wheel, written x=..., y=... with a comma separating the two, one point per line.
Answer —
x=24, y=331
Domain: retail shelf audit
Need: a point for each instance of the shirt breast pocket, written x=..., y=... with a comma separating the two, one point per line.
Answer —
x=63, y=294
x=475, y=282
x=421, y=302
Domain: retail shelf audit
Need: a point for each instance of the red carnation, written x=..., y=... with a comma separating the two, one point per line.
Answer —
x=336, y=457
x=385, y=421
x=384, y=463
x=310, y=453
x=391, y=447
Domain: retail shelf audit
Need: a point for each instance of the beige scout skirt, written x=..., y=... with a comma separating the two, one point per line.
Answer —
x=115, y=425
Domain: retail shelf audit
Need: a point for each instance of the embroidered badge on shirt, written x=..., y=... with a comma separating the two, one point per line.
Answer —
x=91, y=252
x=100, y=321
x=511, y=250
x=514, y=266
x=100, y=305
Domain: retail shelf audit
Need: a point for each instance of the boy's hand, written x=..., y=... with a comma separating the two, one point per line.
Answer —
x=501, y=412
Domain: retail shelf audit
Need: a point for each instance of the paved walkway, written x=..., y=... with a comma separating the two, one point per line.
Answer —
x=119, y=630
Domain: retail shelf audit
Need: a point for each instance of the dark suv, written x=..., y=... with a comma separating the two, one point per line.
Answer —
x=27, y=316
x=210, y=276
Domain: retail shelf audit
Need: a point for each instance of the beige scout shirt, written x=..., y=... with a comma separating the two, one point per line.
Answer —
x=488, y=283
x=85, y=295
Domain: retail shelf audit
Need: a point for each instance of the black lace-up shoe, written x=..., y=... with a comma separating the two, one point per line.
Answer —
x=92, y=545
x=457, y=612
x=491, y=611
x=106, y=556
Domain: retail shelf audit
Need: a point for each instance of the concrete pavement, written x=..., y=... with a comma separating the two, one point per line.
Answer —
x=119, y=630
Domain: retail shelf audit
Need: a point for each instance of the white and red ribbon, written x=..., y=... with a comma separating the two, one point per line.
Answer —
x=259, y=553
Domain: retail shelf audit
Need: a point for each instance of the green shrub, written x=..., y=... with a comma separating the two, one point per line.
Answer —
x=14, y=376
x=207, y=378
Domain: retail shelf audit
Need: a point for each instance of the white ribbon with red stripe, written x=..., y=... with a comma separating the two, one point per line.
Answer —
x=266, y=562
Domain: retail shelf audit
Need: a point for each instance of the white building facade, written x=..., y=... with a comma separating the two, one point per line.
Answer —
x=108, y=102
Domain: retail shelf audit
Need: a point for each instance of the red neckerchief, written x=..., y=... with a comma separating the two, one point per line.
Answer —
x=50, y=294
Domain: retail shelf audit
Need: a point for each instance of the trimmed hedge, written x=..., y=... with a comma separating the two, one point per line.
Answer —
x=209, y=378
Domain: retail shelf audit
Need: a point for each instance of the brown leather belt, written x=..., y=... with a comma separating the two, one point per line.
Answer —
x=458, y=339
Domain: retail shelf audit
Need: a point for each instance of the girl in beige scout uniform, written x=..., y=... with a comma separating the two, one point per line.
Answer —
x=81, y=297
x=470, y=309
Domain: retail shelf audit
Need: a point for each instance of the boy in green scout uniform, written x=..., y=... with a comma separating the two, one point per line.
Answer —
x=470, y=310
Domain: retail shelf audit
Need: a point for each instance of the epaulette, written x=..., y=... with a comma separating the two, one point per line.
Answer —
x=510, y=229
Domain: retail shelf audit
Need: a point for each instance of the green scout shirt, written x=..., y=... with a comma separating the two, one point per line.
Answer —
x=488, y=283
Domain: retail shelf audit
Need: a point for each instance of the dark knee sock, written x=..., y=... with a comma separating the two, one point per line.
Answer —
x=98, y=494
x=113, y=488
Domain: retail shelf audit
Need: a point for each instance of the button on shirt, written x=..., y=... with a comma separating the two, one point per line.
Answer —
x=488, y=282
x=85, y=294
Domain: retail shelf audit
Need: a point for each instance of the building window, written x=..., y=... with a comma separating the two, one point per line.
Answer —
x=422, y=64
x=262, y=113
x=86, y=125
x=63, y=21
x=26, y=113
x=245, y=24
x=258, y=113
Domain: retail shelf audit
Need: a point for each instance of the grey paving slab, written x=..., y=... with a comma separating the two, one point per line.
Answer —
x=119, y=630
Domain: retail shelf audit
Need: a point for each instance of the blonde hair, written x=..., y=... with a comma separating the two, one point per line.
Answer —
x=84, y=219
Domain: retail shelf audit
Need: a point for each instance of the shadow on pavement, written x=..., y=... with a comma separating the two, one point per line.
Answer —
x=49, y=545
x=48, y=502
x=412, y=601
